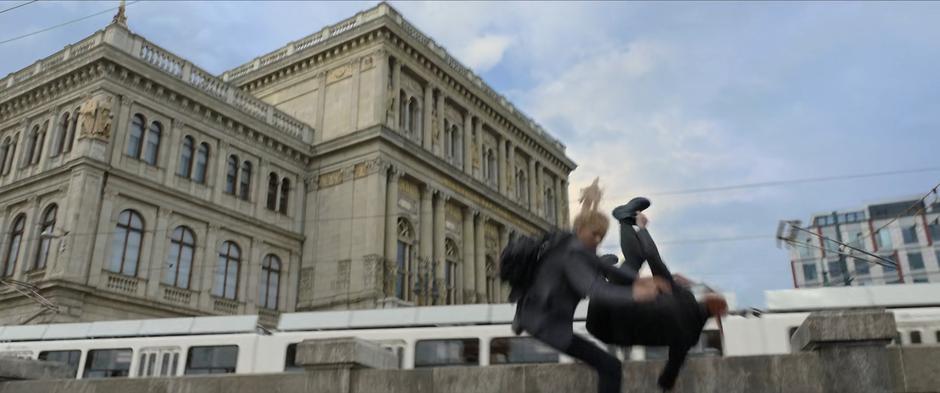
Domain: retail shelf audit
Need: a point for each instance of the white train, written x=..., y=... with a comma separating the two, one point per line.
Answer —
x=468, y=335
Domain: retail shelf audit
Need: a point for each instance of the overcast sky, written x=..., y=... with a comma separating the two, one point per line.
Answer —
x=652, y=97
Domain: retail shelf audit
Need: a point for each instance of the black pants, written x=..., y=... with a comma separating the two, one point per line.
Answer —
x=609, y=370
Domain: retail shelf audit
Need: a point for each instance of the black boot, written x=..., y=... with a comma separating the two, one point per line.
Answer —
x=626, y=214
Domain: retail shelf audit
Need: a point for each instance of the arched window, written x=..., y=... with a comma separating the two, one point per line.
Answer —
x=231, y=174
x=226, y=271
x=456, y=144
x=40, y=142
x=402, y=111
x=46, y=228
x=61, y=130
x=11, y=155
x=5, y=154
x=492, y=285
x=521, y=187
x=31, y=142
x=13, y=245
x=404, y=279
x=126, y=244
x=186, y=157
x=550, y=204
x=272, y=191
x=285, y=193
x=451, y=259
x=414, y=117
x=202, y=161
x=270, y=282
x=70, y=136
x=152, y=145
x=244, y=189
x=179, y=261
x=135, y=136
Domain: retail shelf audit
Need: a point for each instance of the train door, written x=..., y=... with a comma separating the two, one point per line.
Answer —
x=158, y=362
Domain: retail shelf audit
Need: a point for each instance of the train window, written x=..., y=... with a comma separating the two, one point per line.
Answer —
x=452, y=352
x=70, y=358
x=290, y=359
x=212, y=360
x=915, y=337
x=937, y=333
x=511, y=350
x=108, y=363
x=158, y=361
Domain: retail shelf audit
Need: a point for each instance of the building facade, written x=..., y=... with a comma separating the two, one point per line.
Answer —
x=361, y=166
x=905, y=231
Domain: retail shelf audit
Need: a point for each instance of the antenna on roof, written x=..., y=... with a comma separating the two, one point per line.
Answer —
x=120, y=18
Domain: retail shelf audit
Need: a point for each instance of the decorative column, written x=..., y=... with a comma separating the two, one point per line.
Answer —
x=426, y=118
x=467, y=161
x=441, y=132
x=383, y=106
x=531, y=179
x=480, y=257
x=396, y=94
x=478, y=127
x=391, y=216
x=469, y=257
x=426, y=243
x=501, y=167
x=558, y=216
x=439, y=255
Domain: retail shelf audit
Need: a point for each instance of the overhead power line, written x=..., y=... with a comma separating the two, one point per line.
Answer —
x=774, y=183
x=17, y=6
x=63, y=24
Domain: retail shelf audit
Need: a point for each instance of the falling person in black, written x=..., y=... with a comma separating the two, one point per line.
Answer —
x=674, y=321
x=570, y=271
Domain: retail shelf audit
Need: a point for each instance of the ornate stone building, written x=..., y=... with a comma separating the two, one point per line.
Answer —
x=361, y=166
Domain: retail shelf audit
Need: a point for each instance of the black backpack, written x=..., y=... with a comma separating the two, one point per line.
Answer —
x=520, y=260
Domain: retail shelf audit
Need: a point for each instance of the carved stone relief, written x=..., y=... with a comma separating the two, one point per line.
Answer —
x=95, y=117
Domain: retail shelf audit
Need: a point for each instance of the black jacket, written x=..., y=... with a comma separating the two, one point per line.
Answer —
x=567, y=273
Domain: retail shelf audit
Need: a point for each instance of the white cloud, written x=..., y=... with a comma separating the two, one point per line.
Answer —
x=483, y=53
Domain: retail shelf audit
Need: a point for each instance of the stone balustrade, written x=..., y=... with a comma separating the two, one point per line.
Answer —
x=170, y=64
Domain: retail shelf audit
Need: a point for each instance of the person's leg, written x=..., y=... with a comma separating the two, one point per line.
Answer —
x=651, y=253
x=631, y=247
x=609, y=369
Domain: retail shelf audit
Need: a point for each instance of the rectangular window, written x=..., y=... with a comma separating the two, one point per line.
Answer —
x=862, y=268
x=934, y=229
x=69, y=358
x=806, y=249
x=108, y=363
x=212, y=360
x=915, y=337
x=836, y=270
x=809, y=272
x=910, y=234
x=915, y=260
x=883, y=238
x=453, y=352
x=514, y=350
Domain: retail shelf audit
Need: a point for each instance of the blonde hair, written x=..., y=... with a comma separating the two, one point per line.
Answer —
x=589, y=217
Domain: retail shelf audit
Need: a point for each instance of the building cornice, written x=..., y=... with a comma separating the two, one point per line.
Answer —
x=44, y=79
x=385, y=21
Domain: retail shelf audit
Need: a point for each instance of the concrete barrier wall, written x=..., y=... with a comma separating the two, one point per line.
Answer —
x=862, y=364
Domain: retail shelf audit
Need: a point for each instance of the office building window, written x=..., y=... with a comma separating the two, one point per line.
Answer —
x=909, y=233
